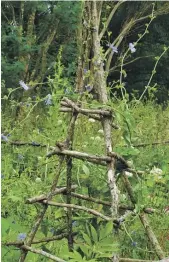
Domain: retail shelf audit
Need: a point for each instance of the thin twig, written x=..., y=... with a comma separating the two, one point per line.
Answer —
x=109, y=18
x=47, y=239
x=88, y=210
x=151, y=144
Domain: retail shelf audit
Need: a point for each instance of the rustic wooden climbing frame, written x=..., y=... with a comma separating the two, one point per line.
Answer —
x=64, y=150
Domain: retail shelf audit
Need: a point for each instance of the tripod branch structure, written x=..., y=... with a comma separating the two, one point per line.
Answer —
x=64, y=151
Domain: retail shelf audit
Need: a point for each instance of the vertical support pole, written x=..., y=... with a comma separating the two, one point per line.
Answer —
x=69, y=143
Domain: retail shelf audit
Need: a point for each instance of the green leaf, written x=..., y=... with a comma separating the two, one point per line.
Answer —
x=106, y=230
x=86, y=170
x=75, y=255
x=86, y=238
x=109, y=228
x=85, y=249
x=94, y=234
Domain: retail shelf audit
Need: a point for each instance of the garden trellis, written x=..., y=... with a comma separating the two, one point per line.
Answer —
x=64, y=150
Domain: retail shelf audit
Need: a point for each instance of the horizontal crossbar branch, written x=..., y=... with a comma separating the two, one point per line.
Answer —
x=45, y=196
x=67, y=110
x=88, y=210
x=41, y=252
x=57, y=259
x=86, y=156
x=63, y=190
x=46, y=239
x=141, y=260
x=66, y=102
x=151, y=144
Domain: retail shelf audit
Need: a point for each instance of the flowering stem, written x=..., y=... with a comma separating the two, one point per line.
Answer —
x=153, y=73
x=125, y=54
x=25, y=117
x=14, y=91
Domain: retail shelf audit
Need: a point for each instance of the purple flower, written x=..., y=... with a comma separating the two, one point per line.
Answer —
x=132, y=48
x=85, y=70
x=2, y=176
x=21, y=236
x=4, y=138
x=114, y=48
x=48, y=100
x=23, y=85
x=134, y=244
x=88, y=88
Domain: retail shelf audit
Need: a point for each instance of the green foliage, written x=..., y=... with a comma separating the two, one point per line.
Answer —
x=27, y=173
x=28, y=30
x=95, y=245
x=34, y=117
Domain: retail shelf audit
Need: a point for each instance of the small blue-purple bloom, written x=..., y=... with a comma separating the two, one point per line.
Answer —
x=132, y=48
x=48, y=100
x=21, y=236
x=2, y=176
x=23, y=85
x=88, y=88
x=114, y=48
x=85, y=70
x=134, y=244
x=4, y=138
